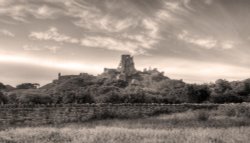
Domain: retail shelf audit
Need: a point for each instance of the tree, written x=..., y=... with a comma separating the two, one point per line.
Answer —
x=83, y=96
x=3, y=98
x=34, y=98
x=69, y=97
x=241, y=88
x=197, y=93
x=2, y=86
x=28, y=86
x=134, y=94
x=221, y=86
x=12, y=98
x=112, y=97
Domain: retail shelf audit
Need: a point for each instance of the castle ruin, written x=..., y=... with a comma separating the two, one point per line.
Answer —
x=125, y=69
x=127, y=65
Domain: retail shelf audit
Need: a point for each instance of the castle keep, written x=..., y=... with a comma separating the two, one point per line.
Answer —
x=127, y=65
x=125, y=71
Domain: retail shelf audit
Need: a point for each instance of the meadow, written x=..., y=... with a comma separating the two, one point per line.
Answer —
x=227, y=124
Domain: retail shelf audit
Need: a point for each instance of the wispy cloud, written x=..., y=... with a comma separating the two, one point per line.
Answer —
x=54, y=35
x=127, y=42
x=208, y=2
x=131, y=33
x=205, y=42
x=130, y=30
x=52, y=49
x=6, y=33
x=227, y=44
x=105, y=24
x=45, y=12
x=31, y=48
x=24, y=10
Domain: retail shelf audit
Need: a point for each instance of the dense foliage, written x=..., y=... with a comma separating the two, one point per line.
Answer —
x=150, y=89
x=28, y=86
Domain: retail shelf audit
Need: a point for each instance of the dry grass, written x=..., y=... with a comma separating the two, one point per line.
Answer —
x=199, y=126
x=124, y=135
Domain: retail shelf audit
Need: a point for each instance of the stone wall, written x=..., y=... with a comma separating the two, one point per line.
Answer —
x=56, y=114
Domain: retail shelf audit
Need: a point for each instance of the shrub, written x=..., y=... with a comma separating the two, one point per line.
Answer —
x=34, y=98
x=28, y=86
x=197, y=93
x=112, y=97
x=12, y=98
x=202, y=115
x=226, y=99
x=237, y=110
x=83, y=97
x=3, y=98
x=68, y=97
x=2, y=86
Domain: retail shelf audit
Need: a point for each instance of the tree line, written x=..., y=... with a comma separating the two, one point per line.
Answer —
x=101, y=90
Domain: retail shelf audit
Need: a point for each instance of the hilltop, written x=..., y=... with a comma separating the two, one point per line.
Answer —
x=126, y=84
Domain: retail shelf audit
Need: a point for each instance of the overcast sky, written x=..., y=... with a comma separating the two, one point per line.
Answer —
x=194, y=40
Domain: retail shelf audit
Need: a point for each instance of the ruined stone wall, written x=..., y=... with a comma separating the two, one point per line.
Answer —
x=56, y=114
x=126, y=65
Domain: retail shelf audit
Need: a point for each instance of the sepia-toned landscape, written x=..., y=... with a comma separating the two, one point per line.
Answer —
x=124, y=71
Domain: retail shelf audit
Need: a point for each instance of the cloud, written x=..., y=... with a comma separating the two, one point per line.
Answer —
x=16, y=12
x=54, y=35
x=6, y=33
x=5, y=2
x=227, y=44
x=106, y=24
x=23, y=10
x=70, y=65
x=120, y=29
x=134, y=43
x=208, y=2
x=111, y=44
x=31, y=48
x=206, y=43
x=52, y=49
x=131, y=29
x=178, y=7
x=45, y=12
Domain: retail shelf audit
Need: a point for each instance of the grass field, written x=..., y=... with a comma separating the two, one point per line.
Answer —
x=103, y=134
x=225, y=125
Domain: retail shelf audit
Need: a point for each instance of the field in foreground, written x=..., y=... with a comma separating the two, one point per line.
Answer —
x=228, y=124
x=124, y=135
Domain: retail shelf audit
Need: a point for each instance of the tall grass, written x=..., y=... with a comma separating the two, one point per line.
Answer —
x=235, y=110
x=124, y=135
x=228, y=124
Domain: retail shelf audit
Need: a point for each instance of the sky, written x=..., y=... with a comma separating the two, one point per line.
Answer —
x=198, y=41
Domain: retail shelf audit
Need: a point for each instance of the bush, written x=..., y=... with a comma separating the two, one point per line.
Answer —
x=12, y=98
x=235, y=110
x=202, y=115
x=3, y=98
x=84, y=98
x=2, y=86
x=197, y=93
x=34, y=98
x=226, y=99
x=105, y=115
x=68, y=97
x=28, y=86
x=111, y=97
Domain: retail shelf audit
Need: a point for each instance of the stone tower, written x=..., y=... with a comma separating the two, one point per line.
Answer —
x=127, y=65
